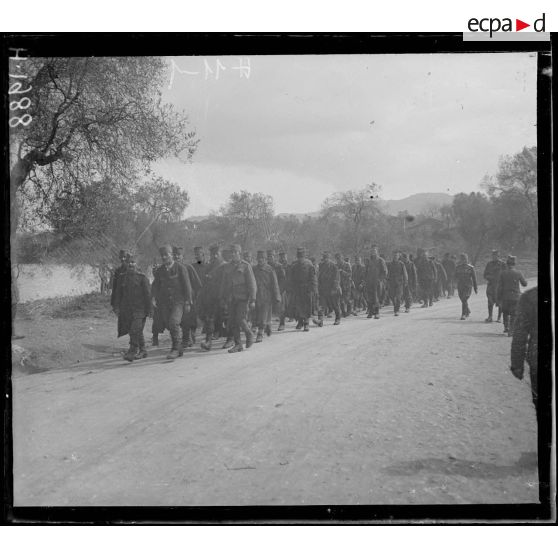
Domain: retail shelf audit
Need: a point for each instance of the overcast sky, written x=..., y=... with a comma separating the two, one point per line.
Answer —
x=302, y=127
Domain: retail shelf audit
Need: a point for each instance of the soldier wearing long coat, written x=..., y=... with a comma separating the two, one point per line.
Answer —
x=466, y=279
x=508, y=293
x=329, y=289
x=491, y=274
x=441, y=279
x=358, y=278
x=374, y=277
x=302, y=284
x=346, y=282
x=132, y=304
x=409, y=291
x=209, y=303
x=267, y=295
x=426, y=277
x=120, y=270
x=172, y=294
x=449, y=268
x=238, y=294
x=189, y=322
x=397, y=280
x=282, y=279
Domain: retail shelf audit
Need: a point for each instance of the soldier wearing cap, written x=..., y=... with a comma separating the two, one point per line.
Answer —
x=357, y=278
x=132, y=304
x=426, y=277
x=492, y=273
x=345, y=275
x=329, y=289
x=508, y=292
x=449, y=268
x=409, y=290
x=267, y=295
x=302, y=285
x=209, y=302
x=441, y=278
x=282, y=279
x=172, y=295
x=189, y=322
x=466, y=279
x=374, y=277
x=397, y=280
x=238, y=293
x=117, y=272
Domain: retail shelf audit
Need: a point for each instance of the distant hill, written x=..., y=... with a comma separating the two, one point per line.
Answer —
x=416, y=203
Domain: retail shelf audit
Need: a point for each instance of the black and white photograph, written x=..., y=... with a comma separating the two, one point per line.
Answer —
x=279, y=276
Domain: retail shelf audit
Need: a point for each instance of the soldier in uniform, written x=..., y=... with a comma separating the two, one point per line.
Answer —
x=267, y=295
x=209, y=302
x=410, y=289
x=357, y=278
x=189, y=322
x=508, y=293
x=227, y=323
x=374, y=277
x=492, y=275
x=302, y=286
x=238, y=292
x=449, y=268
x=345, y=275
x=281, y=274
x=132, y=305
x=172, y=296
x=282, y=279
x=426, y=277
x=441, y=278
x=120, y=270
x=329, y=289
x=466, y=279
x=524, y=346
x=397, y=281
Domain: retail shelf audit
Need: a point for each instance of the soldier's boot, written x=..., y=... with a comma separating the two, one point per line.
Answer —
x=462, y=317
x=425, y=305
x=155, y=340
x=130, y=354
x=370, y=314
x=237, y=347
x=259, y=336
x=281, y=327
x=206, y=345
x=174, y=353
x=306, y=328
x=249, y=339
x=299, y=324
x=499, y=318
x=142, y=353
x=228, y=343
x=267, y=330
x=337, y=320
x=193, y=336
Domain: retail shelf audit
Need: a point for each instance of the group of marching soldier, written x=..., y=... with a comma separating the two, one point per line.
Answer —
x=230, y=294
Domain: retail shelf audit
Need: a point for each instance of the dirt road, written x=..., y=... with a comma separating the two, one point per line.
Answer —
x=415, y=409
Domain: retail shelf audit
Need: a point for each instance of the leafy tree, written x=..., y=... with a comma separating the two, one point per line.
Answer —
x=250, y=217
x=360, y=213
x=514, y=193
x=92, y=117
x=473, y=214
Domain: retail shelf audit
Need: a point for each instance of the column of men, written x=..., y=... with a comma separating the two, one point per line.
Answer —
x=231, y=295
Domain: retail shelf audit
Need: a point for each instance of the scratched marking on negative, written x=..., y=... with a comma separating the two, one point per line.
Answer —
x=17, y=88
x=211, y=71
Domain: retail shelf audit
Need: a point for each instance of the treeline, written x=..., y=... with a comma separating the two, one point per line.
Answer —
x=97, y=219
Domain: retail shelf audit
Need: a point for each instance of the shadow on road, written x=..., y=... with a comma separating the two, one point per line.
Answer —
x=483, y=334
x=451, y=466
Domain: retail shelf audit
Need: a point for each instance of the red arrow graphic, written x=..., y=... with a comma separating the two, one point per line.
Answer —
x=519, y=25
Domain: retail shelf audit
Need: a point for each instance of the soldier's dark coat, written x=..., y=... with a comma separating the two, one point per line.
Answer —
x=267, y=293
x=118, y=272
x=525, y=340
x=132, y=299
x=492, y=273
x=426, y=277
x=238, y=282
x=508, y=285
x=466, y=278
x=329, y=287
x=209, y=301
x=190, y=319
x=374, y=277
x=302, y=285
x=171, y=287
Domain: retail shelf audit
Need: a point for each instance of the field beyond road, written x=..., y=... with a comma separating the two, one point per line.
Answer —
x=415, y=409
